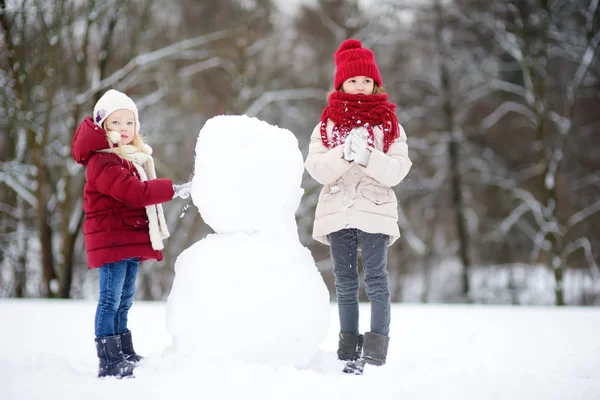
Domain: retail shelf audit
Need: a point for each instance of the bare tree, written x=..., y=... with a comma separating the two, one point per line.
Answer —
x=53, y=88
x=532, y=34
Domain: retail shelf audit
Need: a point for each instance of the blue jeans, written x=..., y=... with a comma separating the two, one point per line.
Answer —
x=117, y=290
x=344, y=255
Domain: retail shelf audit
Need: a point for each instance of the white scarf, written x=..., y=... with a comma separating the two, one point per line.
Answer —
x=144, y=164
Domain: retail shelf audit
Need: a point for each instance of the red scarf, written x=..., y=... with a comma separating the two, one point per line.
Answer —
x=348, y=111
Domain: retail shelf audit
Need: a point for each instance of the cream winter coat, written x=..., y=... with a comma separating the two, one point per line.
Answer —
x=354, y=196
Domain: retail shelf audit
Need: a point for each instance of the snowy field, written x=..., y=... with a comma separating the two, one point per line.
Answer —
x=436, y=352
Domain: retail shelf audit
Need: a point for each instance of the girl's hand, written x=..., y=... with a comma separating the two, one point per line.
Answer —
x=360, y=150
x=347, y=150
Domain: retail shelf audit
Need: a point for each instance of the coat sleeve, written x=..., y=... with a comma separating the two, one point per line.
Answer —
x=323, y=164
x=390, y=168
x=112, y=177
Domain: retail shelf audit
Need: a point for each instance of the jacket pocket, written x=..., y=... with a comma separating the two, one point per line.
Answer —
x=330, y=200
x=135, y=222
x=375, y=193
x=331, y=192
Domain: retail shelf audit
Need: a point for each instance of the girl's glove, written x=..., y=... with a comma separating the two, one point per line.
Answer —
x=360, y=150
x=182, y=191
x=347, y=150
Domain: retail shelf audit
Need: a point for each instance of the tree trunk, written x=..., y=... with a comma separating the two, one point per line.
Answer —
x=453, y=155
x=44, y=229
x=66, y=277
x=70, y=228
x=20, y=268
x=549, y=178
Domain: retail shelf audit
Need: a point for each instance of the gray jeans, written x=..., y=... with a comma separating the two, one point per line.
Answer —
x=344, y=255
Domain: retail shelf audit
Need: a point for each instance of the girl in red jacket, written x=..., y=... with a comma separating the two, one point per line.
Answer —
x=124, y=221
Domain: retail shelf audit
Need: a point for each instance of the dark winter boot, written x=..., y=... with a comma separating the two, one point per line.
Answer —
x=127, y=347
x=350, y=346
x=112, y=359
x=375, y=348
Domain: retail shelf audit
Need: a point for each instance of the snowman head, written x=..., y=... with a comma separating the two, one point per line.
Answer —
x=247, y=175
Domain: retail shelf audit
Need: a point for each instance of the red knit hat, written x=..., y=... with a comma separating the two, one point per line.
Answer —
x=351, y=59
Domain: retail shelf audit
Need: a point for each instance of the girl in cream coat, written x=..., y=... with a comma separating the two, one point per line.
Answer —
x=357, y=152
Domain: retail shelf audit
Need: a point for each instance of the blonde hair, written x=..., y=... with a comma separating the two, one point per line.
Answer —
x=376, y=90
x=137, y=142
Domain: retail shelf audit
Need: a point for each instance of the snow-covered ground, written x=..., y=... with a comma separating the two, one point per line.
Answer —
x=436, y=352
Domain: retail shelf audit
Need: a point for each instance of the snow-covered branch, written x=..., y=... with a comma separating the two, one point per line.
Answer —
x=583, y=214
x=338, y=31
x=213, y=62
x=505, y=108
x=510, y=87
x=531, y=172
x=76, y=216
x=512, y=218
x=149, y=59
x=540, y=242
x=584, y=244
x=563, y=124
x=591, y=12
x=153, y=98
x=281, y=95
x=12, y=183
x=529, y=203
x=586, y=61
x=409, y=235
x=528, y=229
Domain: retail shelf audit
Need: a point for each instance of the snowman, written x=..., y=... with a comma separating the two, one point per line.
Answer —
x=250, y=292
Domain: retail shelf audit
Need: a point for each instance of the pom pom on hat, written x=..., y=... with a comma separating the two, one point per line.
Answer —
x=351, y=59
x=111, y=101
x=349, y=44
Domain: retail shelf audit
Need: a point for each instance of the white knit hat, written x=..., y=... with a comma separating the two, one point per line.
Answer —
x=111, y=101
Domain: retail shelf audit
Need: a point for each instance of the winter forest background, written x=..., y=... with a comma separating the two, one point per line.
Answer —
x=500, y=101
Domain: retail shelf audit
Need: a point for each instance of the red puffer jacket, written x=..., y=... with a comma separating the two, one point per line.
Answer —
x=114, y=200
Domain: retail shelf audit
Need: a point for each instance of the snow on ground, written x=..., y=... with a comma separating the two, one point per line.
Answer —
x=436, y=351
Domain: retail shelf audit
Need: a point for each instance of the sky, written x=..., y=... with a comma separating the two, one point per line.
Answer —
x=248, y=315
